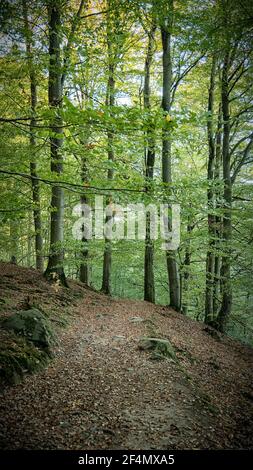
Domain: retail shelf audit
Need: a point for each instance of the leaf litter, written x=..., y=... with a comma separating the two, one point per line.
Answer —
x=102, y=392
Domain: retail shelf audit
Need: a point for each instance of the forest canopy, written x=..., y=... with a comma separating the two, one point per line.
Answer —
x=138, y=102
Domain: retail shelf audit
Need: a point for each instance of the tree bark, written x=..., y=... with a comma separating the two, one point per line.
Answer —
x=54, y=270
x=110, y=101
x=186, y=266
x=226, y=303
x=14, y=237
x=210, y=257
x=84, y=266
x=172, y=266
x=33, y=165
x=218, y=218
x=149, y=282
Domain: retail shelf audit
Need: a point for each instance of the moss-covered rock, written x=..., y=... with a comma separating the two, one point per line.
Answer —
x=160, y=348
x=19, y=356
x=33, y=325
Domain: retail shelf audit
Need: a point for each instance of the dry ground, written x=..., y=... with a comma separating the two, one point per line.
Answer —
x=102, y=392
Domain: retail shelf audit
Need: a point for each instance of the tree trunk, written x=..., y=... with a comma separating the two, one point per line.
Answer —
x=55, y=269
x=110, y=100
x=29, y=240
x=14, y=237
x=186, y=265
x=149, y=283
x=218, y=219
x=210, y=257
x=33, y=164
x=172, y=266
x=226, y=303
x=84, y=266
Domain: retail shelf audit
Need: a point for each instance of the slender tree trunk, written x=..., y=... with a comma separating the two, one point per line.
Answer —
x=218, y=219
x=226, y=303
x=55, y=269
x=35, y=184
x=210, y=258
x=84, y=266
x=29, y=240
x=149, y=283
x=33, y=165
x=14, y=237
x=37, y=218
x=186, y=265
x=107, y=262
x=172, y=266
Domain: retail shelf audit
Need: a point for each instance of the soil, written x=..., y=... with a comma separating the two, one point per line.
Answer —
x=102, y=392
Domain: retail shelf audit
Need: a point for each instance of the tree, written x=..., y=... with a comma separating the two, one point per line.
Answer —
x=88, y=139
x=110, y=102
x=166, y=32
x=234, y=64
x=55, y=261
x=56, y=80
x=149, y=283
x=210, y=259
x=33, y=164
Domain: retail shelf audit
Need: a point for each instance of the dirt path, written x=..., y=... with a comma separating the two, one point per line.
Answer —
x=102, y=392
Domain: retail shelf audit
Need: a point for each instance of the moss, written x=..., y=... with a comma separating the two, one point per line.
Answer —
x=57, y=315
x=33, y=325
x=19, y=356
x=160, y=348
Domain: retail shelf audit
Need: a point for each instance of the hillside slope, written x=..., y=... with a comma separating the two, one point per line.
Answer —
x=102, y=392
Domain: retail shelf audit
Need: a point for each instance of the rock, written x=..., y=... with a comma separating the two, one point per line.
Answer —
x=136, y=319
x=161, y=348
x=33, y=325
x=18, y=356
x=119, y=337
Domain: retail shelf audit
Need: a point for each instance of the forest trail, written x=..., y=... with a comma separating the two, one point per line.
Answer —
x=102, y=392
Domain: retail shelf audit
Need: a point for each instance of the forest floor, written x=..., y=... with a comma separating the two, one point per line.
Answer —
x=102, y=392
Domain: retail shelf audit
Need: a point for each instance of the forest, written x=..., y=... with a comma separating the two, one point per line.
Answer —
x=140, y=102
x=126, y=169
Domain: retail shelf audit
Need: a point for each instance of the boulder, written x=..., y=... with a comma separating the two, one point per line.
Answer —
x=33, y=325
x=160, y=348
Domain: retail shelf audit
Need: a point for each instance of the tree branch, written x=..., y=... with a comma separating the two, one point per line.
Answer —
x=66, y=184
x=94, y=14
x=244, y=159
x=17, y=119
x=246, y=137
x=74, y=26
x=183, y=75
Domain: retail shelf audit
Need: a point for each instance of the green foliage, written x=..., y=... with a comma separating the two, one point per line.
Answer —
x=87, y=118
